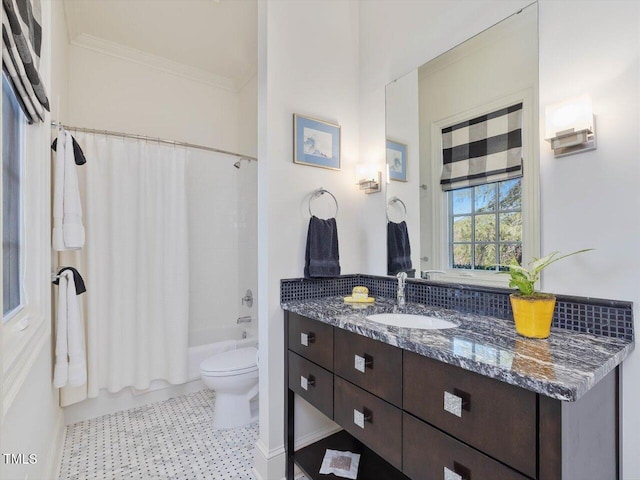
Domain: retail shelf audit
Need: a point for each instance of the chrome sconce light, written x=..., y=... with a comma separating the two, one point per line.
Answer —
x=368, y=177
x=571, y=126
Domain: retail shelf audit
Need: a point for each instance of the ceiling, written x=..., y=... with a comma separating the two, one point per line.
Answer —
x=218, y=37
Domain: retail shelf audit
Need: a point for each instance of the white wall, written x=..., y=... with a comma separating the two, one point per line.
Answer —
x=113, y=93
x=308, y=64
x=588, y=200
x=591, y=200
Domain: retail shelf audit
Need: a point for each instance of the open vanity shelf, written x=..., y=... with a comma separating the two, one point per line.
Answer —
x=372, y=466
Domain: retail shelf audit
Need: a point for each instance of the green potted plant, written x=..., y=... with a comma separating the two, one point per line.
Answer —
x=533, y=311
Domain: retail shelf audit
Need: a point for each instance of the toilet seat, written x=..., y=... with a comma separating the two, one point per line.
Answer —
x=231, y=363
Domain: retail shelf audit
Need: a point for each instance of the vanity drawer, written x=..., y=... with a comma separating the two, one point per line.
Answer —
x=498, y=418
x=372, y=365
x=374, y=422
x=428, y=454
x=311, y=382
x=311, y=339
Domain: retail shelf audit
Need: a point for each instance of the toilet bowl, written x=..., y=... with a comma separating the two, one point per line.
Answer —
x=233, y=375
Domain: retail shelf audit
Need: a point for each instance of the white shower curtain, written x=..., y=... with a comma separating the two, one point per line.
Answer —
x=135, y=264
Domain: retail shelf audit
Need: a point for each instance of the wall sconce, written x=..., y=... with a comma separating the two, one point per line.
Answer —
x=368, y=178
x=571, y=126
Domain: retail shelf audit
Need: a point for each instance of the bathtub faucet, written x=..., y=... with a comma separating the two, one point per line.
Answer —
x=246, y=319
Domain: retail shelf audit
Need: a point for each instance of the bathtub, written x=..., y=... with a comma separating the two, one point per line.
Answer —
x=228, y=338
x=225, y=338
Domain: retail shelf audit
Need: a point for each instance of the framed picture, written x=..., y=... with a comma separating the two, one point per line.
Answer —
x=397, y=160
x=316, y=143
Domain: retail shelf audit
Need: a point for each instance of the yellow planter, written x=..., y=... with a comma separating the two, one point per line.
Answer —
x=533, y=315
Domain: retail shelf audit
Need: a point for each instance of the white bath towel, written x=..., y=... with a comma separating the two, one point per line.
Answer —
x=71, y=366
x=68, y=231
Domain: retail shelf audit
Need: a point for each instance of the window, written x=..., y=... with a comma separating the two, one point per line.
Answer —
x=485, y=225
x=13, y=122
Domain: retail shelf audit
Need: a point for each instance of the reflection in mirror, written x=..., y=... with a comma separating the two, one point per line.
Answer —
x=462, y=139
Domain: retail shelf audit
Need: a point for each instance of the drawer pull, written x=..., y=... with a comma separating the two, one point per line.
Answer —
x=360, y=417
x=459, y=472
x=361, y=362
x=457, y=401
x=306, y=382
x=307, y=338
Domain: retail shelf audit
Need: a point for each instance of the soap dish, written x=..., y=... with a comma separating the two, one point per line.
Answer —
x=359, y=300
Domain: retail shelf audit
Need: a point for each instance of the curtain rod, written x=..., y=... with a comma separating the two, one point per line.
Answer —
x=153, y=139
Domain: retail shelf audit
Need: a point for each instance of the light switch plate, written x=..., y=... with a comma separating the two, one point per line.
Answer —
x=358, y=418
x=304, y=339
x=451, y=475
x=304, y=383
x=359, y=363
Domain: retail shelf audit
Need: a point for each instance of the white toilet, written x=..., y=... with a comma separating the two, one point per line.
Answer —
x=233, y=375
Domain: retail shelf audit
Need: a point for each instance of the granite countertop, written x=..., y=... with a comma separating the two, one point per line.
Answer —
x=564, y=366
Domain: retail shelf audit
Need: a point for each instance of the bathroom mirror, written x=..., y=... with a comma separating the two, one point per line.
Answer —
x=474, y=108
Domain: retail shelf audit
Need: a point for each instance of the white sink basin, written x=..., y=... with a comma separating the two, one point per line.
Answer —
x=405, y=320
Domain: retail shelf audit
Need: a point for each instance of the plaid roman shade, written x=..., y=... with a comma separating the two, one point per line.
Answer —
x=21, y=43
x=483, y=150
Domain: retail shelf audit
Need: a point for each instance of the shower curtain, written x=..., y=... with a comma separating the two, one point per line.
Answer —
x=135, y=264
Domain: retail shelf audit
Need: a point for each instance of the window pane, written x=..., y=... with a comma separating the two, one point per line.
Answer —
x=510, y=194
x=462, y=229
x=485, y=256
x=511, y=227
x=462, y=256
x=485, y=198
x=11, y=198
x=485, y=228
x=462, y=200
x=510, y=252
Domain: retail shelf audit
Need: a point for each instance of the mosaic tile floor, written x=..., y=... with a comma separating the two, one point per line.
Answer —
x=169, y=440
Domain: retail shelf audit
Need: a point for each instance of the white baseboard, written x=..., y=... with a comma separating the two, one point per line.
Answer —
x=55, y=456
x=270, y=464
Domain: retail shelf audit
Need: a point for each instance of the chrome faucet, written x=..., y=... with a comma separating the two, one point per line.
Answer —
x=402, y=278
x=426, y=274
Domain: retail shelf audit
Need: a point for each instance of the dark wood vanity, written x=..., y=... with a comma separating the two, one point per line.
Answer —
x=415, y=417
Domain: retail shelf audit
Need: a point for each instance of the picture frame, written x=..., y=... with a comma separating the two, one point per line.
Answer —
x=316, y=143
x=397, y=160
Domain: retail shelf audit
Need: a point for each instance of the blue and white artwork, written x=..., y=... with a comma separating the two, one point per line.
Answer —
x=397, y=160
x=316, y=143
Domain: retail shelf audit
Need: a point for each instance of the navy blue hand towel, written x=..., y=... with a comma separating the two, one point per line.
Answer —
x=77, y=279
x=398, y=248
x=321, y=257
x=77, y=151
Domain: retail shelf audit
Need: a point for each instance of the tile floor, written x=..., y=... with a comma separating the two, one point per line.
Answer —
x=169, y=440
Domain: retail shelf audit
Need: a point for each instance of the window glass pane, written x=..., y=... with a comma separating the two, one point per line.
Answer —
x=510, y=194
x=462, y=256
x=511, y=227
x=509, y=252
x=462, y=229
x=12, y=119
x=485, y=198
x=485, y=228
x=485, y=256
x=462, y=201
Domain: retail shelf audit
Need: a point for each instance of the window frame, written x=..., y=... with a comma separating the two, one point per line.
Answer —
x=473, y=214
x=439, y=254
x=21, y=215
x=24, y=335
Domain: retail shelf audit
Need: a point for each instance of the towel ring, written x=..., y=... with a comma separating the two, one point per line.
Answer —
x=393, y=200
x=318, y=193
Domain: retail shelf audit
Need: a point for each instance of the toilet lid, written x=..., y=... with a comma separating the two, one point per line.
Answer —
x=231, y=361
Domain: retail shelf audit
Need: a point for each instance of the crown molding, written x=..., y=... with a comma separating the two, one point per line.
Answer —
x=123, y=52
